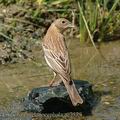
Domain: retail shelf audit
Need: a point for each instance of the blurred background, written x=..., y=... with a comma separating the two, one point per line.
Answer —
x=94, y=49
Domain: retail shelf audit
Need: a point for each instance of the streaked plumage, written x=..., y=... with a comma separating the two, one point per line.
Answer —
x=56, y=56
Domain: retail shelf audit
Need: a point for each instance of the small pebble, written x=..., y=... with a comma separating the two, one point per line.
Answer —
x=107, y=103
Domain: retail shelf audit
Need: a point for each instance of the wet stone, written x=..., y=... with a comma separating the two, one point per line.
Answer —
x=56, y=99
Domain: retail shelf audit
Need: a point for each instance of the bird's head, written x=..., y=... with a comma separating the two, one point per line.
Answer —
x=63, y=24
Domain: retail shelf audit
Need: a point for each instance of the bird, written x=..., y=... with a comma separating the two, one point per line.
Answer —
x=57, y=57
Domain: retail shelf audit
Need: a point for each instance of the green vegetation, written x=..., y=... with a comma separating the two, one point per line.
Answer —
x=95, y=18
x=24, y=22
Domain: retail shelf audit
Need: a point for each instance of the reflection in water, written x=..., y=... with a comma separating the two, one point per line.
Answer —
x=103, y=72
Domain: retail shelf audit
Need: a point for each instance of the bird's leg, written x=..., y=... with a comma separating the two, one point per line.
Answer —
x=53, y=80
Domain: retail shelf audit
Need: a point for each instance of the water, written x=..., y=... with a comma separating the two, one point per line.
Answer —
x=102, y=69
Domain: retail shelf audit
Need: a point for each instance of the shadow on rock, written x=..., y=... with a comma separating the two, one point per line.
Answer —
x=56, y=99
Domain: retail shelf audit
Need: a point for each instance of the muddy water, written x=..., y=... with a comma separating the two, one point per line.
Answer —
x=102, y=69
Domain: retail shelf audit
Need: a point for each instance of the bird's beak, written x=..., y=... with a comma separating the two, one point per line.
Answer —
x=71, y=26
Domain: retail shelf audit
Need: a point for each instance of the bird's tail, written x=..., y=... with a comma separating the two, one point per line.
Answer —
x=72, y=91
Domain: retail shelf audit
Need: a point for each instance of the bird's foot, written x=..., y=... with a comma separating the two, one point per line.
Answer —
x=55, y=83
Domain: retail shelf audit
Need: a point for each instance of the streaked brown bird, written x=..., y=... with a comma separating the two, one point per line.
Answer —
x=56, y=56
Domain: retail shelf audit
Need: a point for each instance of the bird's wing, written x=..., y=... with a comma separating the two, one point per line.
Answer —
x=57, y=60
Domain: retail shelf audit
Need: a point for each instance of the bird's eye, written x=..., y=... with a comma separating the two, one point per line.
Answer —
x=63, y=21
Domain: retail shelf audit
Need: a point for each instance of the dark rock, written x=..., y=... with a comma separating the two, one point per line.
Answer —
x=56, y=99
